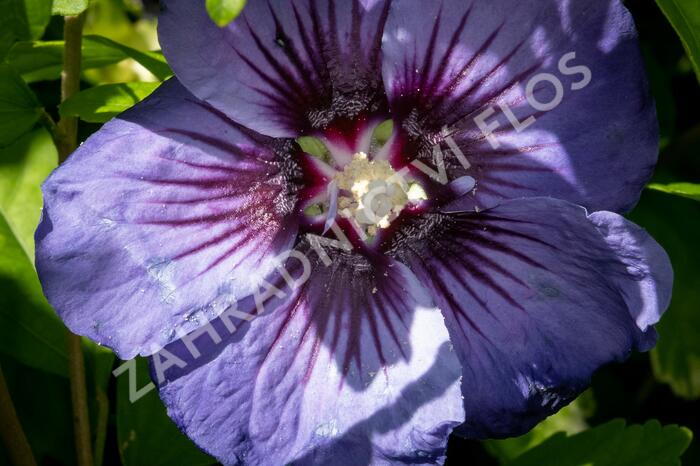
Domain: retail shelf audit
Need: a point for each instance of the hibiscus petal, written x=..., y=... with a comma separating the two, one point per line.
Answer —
x=446, y=63
x=353, y=367
x=160, y=219
x=537, y=296
x=283, y=67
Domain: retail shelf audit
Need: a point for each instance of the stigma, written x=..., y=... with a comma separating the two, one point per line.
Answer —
x=373, y=194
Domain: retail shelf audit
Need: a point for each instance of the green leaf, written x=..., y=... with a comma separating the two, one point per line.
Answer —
x=144, y=424
x=684, y=15
x=612, y=444
x=152, y=61
x=19, y=109
x=571, y=420
x=69, y=7
x=30, y=331
x=102, y=103
x=674, y=222
x=689, y=190
x=224, y=11
x=38, y=16
x=23, y=167
x=43, y=61
x=22, y=20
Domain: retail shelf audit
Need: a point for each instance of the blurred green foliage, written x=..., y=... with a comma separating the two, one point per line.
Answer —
x=68, y=7
x=224, y=11
x=22, y=20
x=100, y=104
x=19, y=109
x=685, y=17
x=673, y=222
x=612, y=444
x=689, y=190
x=30, y=331
x=42, y=60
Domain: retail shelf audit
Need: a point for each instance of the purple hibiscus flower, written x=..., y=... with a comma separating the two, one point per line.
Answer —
x=467, y=273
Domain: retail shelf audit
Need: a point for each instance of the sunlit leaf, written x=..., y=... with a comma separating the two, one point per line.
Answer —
x=674, y=222
x=684, y=15
x=224, y=11
x=22, y=20
x=689, y=190
x=43, y=61
x=612, y=444
x=30, y=331
x=102, y=103
x=38, y=16
x=152, y=61
x=19, y=109
x=145, y=424
x=570, y=420
x=69, y=7
x=128, y=26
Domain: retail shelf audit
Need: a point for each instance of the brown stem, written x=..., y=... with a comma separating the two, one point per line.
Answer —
x=11, y=430
x=78, y=391
x=67, y=142
x=102, y=402
x=70, y=82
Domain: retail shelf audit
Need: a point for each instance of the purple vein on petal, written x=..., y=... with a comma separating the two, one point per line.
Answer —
x=496, y=181
x=208, y=183
x=289, y=49
x=245, y=239
x=506, y=152
x=320, y=66
x=376, y=43
x=210, y=242
x=446, y=294
x=454, y=40
x=220, y=168
x=454, y=83
x=460, y=100
x=488, y=243
x=229, y=195
x=296, y=89
x=476, y=223
x=497, y=167
x=212, y=141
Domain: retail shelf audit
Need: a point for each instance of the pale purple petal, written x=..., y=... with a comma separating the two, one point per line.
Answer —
x=283, y=68
x=447, y=63
x=352, y=367
x=537, y=296
x=160, y=220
